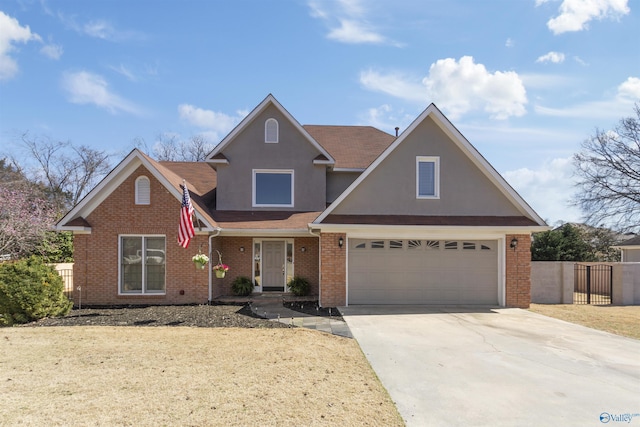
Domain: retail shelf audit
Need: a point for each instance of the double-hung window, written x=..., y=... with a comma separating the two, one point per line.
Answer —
x=142, y=265
x=272, y=188
x=427, y=177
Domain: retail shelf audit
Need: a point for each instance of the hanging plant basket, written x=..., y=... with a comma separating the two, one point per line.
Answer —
x=200, y=260
x=220, y=268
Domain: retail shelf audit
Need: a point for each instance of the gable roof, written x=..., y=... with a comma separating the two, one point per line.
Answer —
x=214, y=156
x=464, y=145
x=352, y=147
x=75, y=220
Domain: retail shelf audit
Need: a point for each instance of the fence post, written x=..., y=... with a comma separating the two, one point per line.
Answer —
x=588, y=284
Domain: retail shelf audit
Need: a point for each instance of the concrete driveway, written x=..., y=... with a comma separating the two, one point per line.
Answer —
x=451, y=366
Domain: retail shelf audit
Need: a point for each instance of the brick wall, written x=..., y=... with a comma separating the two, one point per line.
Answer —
x=333, y=278
x=241, y=264
x=96, y=254
x=518, y=271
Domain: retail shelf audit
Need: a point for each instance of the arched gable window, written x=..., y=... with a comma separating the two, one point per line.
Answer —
x=143, y=191
x=271, y=131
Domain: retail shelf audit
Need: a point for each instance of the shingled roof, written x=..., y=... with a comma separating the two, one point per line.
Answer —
x=352, y=147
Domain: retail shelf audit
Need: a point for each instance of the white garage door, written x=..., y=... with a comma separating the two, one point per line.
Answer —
x=423, y=272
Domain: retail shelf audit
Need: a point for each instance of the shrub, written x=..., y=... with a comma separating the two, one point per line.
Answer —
x=299, y=286
x=242, y=286
x=30, y=290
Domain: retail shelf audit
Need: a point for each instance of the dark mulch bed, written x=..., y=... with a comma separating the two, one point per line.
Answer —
x=205, y=316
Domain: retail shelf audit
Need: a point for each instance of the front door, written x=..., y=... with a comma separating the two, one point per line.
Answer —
x=273, y=266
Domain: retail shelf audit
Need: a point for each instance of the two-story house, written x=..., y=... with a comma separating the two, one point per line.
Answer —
x=367, y=217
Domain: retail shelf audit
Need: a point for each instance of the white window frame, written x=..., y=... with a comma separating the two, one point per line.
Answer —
x=436, y=177
x=266, y=133
x=139, y=194
x=143, y=291
x=271, y=171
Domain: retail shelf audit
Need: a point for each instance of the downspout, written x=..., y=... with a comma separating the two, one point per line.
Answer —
x=319, y=263
x=217, y=233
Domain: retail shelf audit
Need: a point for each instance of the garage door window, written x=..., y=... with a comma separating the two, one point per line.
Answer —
x=396, y=244
x=377, y=244
x=451, y=245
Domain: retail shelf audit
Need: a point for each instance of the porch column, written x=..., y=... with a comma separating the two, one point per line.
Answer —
x=333, y=270
x=518, y=271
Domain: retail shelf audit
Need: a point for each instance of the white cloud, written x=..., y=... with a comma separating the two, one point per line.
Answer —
x=124, y=71
x=394, y=84
x=355, y=32
x=217, y=124
x=12, y=32
x=510, y=43
x=576, y=14
x=385, y=118
x=458, y=87
x=630, y=88
x=83, y=87
x=555, y=57
x=347, y=22
x=52, y=51
x=548, y=189
x=463, y=86
x=100, y=29
x=627, y=93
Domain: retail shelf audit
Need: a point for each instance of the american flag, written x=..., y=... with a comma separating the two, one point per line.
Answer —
x=185, y=231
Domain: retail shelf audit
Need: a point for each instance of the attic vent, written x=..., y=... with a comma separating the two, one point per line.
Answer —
x=271, y=131
x=143, y=191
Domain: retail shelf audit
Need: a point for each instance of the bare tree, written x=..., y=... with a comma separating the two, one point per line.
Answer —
x=169, y=148
x=608, y=171
x=68, y=171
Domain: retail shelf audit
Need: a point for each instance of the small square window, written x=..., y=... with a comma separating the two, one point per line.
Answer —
x=427, y=177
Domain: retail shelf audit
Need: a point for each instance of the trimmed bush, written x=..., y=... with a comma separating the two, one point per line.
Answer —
x=242, y=286
x=299, y=286
x=30, y=290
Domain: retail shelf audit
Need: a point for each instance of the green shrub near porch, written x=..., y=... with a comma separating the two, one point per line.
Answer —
x=30, y=290
x=299, y=286
x=242, y=286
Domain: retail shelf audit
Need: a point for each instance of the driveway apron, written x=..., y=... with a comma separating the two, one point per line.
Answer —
x=453, y=366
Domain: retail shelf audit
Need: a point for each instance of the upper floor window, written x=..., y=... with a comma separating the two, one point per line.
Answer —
x=272, y=188
x=271, y=131
x=427, y=177
x=143, y=191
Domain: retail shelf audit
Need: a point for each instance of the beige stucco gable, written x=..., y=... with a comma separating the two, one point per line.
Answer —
x=390, y=189
x=469, y=186
x=248, y=152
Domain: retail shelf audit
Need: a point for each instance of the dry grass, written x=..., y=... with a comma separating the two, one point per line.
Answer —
x=620, y=320
x=108, y=376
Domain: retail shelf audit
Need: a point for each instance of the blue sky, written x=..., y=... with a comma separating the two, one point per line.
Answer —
x=525, y=81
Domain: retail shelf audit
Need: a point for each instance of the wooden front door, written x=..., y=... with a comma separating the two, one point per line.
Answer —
x=273, y=266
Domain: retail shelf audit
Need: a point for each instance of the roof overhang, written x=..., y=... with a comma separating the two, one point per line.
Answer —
x=425, y=231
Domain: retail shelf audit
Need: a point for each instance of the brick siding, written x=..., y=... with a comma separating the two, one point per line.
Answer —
x=96, y=255
x=333, y=278
x=518, y=271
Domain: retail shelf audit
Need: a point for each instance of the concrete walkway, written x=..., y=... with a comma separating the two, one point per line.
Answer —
x=463, y=366
x=274, y=310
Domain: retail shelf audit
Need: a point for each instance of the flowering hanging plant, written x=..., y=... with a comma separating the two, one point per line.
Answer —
x=220, y=266
x=200, y=258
